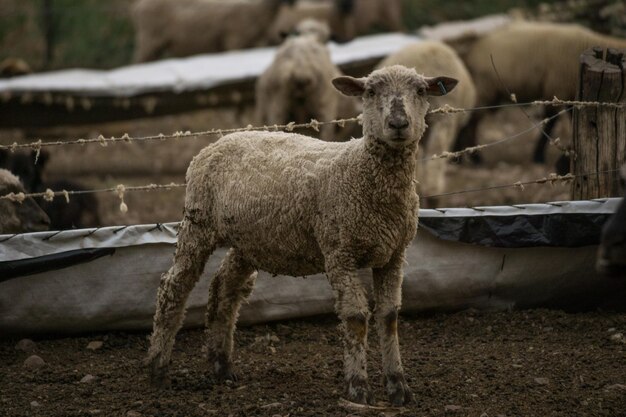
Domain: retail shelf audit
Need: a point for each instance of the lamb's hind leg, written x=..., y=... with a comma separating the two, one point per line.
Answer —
x=231, y=286
x=195, y=245
x=388, y=296
x=352, y=307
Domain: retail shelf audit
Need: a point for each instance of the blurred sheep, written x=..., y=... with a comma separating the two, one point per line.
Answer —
x=82, y=209
x=19, y=217
x=14, y=67
x=433, y=57
x=611, y=258
x=347, y=19
x=535, y=61
x=186, y=27
x=297, y=86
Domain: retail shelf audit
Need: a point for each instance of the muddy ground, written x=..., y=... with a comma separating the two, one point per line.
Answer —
x=520, y=363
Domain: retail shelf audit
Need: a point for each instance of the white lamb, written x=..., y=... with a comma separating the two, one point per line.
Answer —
x=297, y=87
x=432, y=57
x=290, y=204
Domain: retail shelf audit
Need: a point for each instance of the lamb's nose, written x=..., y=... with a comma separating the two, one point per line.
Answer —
x=398, y=123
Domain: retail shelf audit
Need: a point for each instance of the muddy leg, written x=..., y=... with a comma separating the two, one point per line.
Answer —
x=352, y=308
x=195, y=244
x=387, y=282
x=539, y=154
x=231, y=286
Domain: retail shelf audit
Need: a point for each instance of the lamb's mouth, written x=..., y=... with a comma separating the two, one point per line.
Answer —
x=399, y=137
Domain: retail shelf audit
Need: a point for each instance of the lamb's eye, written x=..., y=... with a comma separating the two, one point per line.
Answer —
x=371, y=93
x=421, y=91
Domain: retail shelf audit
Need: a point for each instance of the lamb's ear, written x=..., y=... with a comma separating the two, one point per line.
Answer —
x=440, y=86
x=350, y=86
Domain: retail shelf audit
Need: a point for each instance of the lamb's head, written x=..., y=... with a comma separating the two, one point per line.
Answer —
x=16, y=217
x=318, y=30
x=395, y=102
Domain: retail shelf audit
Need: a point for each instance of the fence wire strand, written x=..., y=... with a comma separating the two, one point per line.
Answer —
x=121, y=189
x=313, y=124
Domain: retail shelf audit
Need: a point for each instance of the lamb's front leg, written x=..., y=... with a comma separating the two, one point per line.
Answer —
x=388, y=298
x=352, y=308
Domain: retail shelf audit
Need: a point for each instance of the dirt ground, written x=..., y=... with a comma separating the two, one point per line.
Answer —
x=520, y=363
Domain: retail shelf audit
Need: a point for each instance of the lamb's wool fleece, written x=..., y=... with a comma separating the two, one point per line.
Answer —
x=294, y=205
x=315, y=177
x=428, y=58
x=187, y=27
x=17, y=217
x=297, y=86
x=534, y=60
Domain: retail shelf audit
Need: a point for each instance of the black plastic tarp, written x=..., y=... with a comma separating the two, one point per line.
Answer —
x=520, y=231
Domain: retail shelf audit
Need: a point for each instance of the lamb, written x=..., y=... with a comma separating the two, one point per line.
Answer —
x=433, y=57
x=536, y=61
x=294, y=205
x=612, y=251
x=186, y=27
x=297, y=85
x=19, y=217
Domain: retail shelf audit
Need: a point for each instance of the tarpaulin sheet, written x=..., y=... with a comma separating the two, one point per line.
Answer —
x=563, y=224
x=116, y=290
x=198, y=72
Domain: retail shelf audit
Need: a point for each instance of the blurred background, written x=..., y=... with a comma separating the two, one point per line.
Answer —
x=56, y=34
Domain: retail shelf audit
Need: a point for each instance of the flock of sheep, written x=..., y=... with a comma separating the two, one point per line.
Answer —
x=294, y=205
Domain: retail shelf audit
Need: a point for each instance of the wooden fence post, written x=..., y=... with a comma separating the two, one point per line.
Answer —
x=599, y=141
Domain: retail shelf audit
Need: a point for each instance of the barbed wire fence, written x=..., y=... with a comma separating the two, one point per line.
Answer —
x=122, y=189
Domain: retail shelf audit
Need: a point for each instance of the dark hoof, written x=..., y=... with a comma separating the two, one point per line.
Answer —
x=224, y=370
x=398, y=390
x=159, y=374
x=359, y=391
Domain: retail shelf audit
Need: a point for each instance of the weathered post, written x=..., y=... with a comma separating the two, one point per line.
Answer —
x=599, y=141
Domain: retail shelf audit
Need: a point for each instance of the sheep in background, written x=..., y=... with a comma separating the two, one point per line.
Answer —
x=289, y=204
x=14, y=67
x=611, y=258
x=289, y=17
x=346, y=18
x=187, y=27
x=432, y=57
x=297, y=87
x=361, y=16
x=536, y=61
x=16, y=217
x=82, y=209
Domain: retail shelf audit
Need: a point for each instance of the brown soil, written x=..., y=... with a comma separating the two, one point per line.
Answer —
x=521, y=363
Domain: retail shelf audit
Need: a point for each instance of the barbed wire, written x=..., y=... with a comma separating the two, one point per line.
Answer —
x=313, y=124
x=550, y=179
x=122, y=189
x=472, y=149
